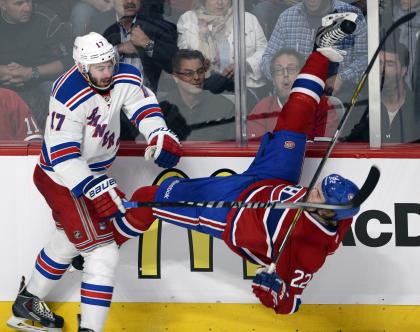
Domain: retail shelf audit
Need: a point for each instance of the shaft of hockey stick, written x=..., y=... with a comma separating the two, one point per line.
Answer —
x=356, y=93
x=362, y=195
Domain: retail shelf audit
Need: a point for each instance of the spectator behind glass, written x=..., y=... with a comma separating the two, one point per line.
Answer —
x=296, y=28
x=33, y=50
x=143, y=38
x=16, y=120
x=284, y=68
x=398, y=115
x=91, y=15
x=209, y=28
x=408, y=32
x=191, y=112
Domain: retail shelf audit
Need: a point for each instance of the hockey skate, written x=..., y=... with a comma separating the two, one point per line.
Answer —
x=335, y=27
x=32, y=314
x=82, y=329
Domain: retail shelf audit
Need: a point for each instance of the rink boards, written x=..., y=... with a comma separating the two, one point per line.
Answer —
x=378, y=264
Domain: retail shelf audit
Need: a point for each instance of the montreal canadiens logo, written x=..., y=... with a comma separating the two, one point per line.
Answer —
x=289, y=145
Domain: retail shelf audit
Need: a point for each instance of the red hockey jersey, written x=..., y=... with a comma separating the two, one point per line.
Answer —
x=256, y=235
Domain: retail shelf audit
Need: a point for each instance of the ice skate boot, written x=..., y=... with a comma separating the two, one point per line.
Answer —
x=335, y=27
x=82, y=329
x=32, y=314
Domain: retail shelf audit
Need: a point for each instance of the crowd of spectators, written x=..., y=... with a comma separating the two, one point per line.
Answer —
x=185, y=50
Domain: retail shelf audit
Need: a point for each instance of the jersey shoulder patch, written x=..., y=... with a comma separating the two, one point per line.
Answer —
x=71, y=89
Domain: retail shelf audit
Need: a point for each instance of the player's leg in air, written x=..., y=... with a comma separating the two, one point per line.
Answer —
x=280, y=155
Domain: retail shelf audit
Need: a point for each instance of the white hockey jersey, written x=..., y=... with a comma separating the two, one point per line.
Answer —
x=83, y=128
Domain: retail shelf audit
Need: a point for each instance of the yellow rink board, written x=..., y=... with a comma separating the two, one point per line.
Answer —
x=200, y=317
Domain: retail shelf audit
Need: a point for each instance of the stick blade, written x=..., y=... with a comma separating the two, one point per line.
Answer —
x=368, y=187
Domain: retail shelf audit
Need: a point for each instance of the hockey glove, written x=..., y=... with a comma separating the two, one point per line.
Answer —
x=269, y=288
x=105, y=196
x=163, y=147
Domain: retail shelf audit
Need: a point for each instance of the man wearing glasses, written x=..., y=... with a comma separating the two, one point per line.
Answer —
x=190, y=111
x=284, y=68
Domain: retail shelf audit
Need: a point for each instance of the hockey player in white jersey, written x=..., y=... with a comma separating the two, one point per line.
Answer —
x=81, y=141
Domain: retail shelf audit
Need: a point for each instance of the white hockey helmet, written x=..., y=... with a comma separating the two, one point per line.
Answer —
x=91, y=49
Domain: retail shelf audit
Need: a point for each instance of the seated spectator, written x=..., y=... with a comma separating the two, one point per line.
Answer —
x=143, y=39
x=209, y=28
x=34, y=52
x=191, y=112
x=398, y=118
x=16, y=120
x=91, y=15
x=296, y=28
x=284, y=68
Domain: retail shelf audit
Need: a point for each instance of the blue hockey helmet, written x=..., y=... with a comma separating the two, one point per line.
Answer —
x=337, y=189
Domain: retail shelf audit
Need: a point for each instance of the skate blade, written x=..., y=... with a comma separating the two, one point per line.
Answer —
x=22, y=325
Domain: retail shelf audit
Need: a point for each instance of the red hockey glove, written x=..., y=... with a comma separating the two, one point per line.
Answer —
x=102, y=192
x=269, y=288
x=163, y=147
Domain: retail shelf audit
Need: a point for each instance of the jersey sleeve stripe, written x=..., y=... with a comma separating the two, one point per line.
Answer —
x=146, y=112
x=78, y=189
x=61, y=146
x=101, y=166
x=64, y=151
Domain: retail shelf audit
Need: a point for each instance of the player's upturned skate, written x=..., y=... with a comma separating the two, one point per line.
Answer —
x=335, y=27
x=28, y=307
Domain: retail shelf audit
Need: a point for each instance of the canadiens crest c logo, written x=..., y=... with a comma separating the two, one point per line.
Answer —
x=289, y=145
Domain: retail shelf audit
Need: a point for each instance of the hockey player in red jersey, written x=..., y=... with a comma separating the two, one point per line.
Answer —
x=80, y=143
x=256, y=234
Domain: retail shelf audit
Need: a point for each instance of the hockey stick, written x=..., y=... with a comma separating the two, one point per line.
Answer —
x=364, y=192
x=356, y=93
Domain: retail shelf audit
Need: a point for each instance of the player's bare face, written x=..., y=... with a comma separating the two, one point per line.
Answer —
x=316, y=196
x=285, y=71
x=190, y=76
x=101, y=73
x=16, y=11
x=218, y=7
